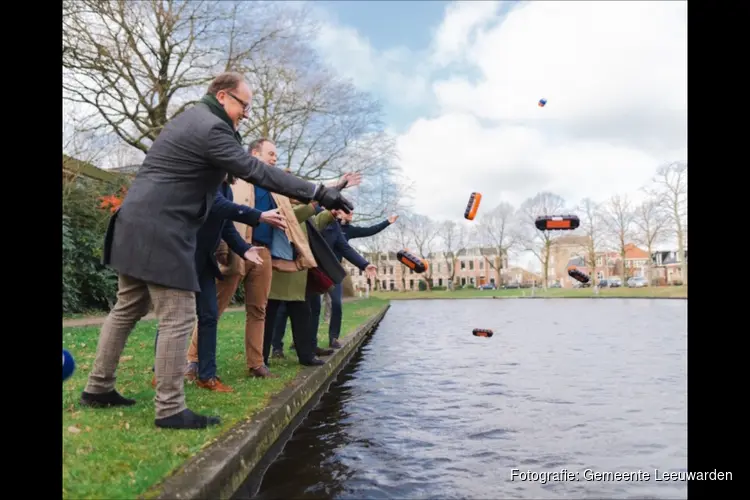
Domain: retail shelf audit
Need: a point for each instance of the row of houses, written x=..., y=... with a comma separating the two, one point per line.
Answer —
x=661, y=267
x=481, y=266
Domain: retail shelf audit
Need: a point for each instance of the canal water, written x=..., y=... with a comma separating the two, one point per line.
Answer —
x=570, y=387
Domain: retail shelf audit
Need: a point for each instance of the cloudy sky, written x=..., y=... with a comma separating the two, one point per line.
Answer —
x=461, y=82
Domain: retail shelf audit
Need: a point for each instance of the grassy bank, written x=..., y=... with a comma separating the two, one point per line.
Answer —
x=656, y=292
x=119, y=453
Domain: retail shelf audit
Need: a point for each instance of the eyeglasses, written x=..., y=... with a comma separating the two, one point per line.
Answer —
x=245, y=105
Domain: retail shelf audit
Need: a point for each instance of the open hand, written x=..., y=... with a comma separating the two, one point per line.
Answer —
x=273, y=218
x=253, y=255
x=392, y=218
x=349, y=179
x=371, y=271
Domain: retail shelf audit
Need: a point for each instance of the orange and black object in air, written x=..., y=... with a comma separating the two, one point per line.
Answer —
x=577, y=275
x=473, y=206
x=557, y=222
x=482, y=332
x=411, y=261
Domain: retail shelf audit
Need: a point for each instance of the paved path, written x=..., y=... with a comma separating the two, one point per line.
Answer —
x=98, y=320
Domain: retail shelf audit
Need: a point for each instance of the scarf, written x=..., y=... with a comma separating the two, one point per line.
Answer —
x=305, y=259
x=218, y=110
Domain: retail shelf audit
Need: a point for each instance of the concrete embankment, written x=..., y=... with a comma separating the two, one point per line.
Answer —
x=220, y=469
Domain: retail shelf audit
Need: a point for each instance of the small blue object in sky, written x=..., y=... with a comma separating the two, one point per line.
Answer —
x=542, y=102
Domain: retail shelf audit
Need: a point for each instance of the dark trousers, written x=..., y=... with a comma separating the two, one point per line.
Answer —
x=314, y=302
x=337, y=299
x=299, y=313
x=207, y=310
x=280, y=321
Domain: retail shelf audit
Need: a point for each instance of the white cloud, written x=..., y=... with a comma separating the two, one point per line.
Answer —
x=614, y=74
x=461, y=20
x=390, y=73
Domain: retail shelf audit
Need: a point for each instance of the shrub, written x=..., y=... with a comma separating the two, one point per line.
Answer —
x=87, y=206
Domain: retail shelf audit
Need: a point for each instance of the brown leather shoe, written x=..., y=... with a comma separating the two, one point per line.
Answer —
x=334, y=344
x=278, y=353
x=262, y=372
x=213, y=384
x=323, y=352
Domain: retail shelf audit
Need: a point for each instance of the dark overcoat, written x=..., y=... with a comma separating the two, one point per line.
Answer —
x=152, y=237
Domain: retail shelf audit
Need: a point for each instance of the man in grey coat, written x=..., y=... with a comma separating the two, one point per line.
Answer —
x=151, y=240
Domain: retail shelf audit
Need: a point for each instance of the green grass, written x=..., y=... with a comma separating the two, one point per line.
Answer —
x=119, y=453
x=466, y=293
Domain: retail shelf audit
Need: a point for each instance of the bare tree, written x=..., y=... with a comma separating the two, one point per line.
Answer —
x=132, y=66
x=619, y=218
x=650, y=221
x=671, y=189
x=135, y=65
x=498, y=229
x=592, y=226
x=455, y=239
x=529, y=237
x=423, y=231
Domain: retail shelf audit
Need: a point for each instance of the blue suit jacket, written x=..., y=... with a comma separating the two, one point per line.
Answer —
x=341, y=248
x=351, y=232
x=215, y=229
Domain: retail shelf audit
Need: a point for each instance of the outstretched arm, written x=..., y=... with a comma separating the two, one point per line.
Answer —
x=352, y=232
x=226, y=209
x=350, y=254
x=224, y=152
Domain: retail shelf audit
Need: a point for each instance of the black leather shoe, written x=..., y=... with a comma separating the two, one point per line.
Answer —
x=313, y=362
x=323, y=352
x=186, y=419
x=105, y=400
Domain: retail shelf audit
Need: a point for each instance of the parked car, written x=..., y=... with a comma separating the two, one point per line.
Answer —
x=637, y=282
x=615, y=282
x=488, y=286
x=512, y=284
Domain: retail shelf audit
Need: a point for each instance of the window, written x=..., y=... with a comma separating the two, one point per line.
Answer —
x=481, y=264
x=391, y=270
x=411, y=284
x=439, y=267
x=471, y=265
x=463, y=265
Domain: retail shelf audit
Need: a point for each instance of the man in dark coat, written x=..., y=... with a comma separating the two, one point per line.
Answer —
x=151, y=240
x=218, y=227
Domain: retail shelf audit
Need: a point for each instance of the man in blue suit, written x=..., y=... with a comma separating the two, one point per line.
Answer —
x=213, y=230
